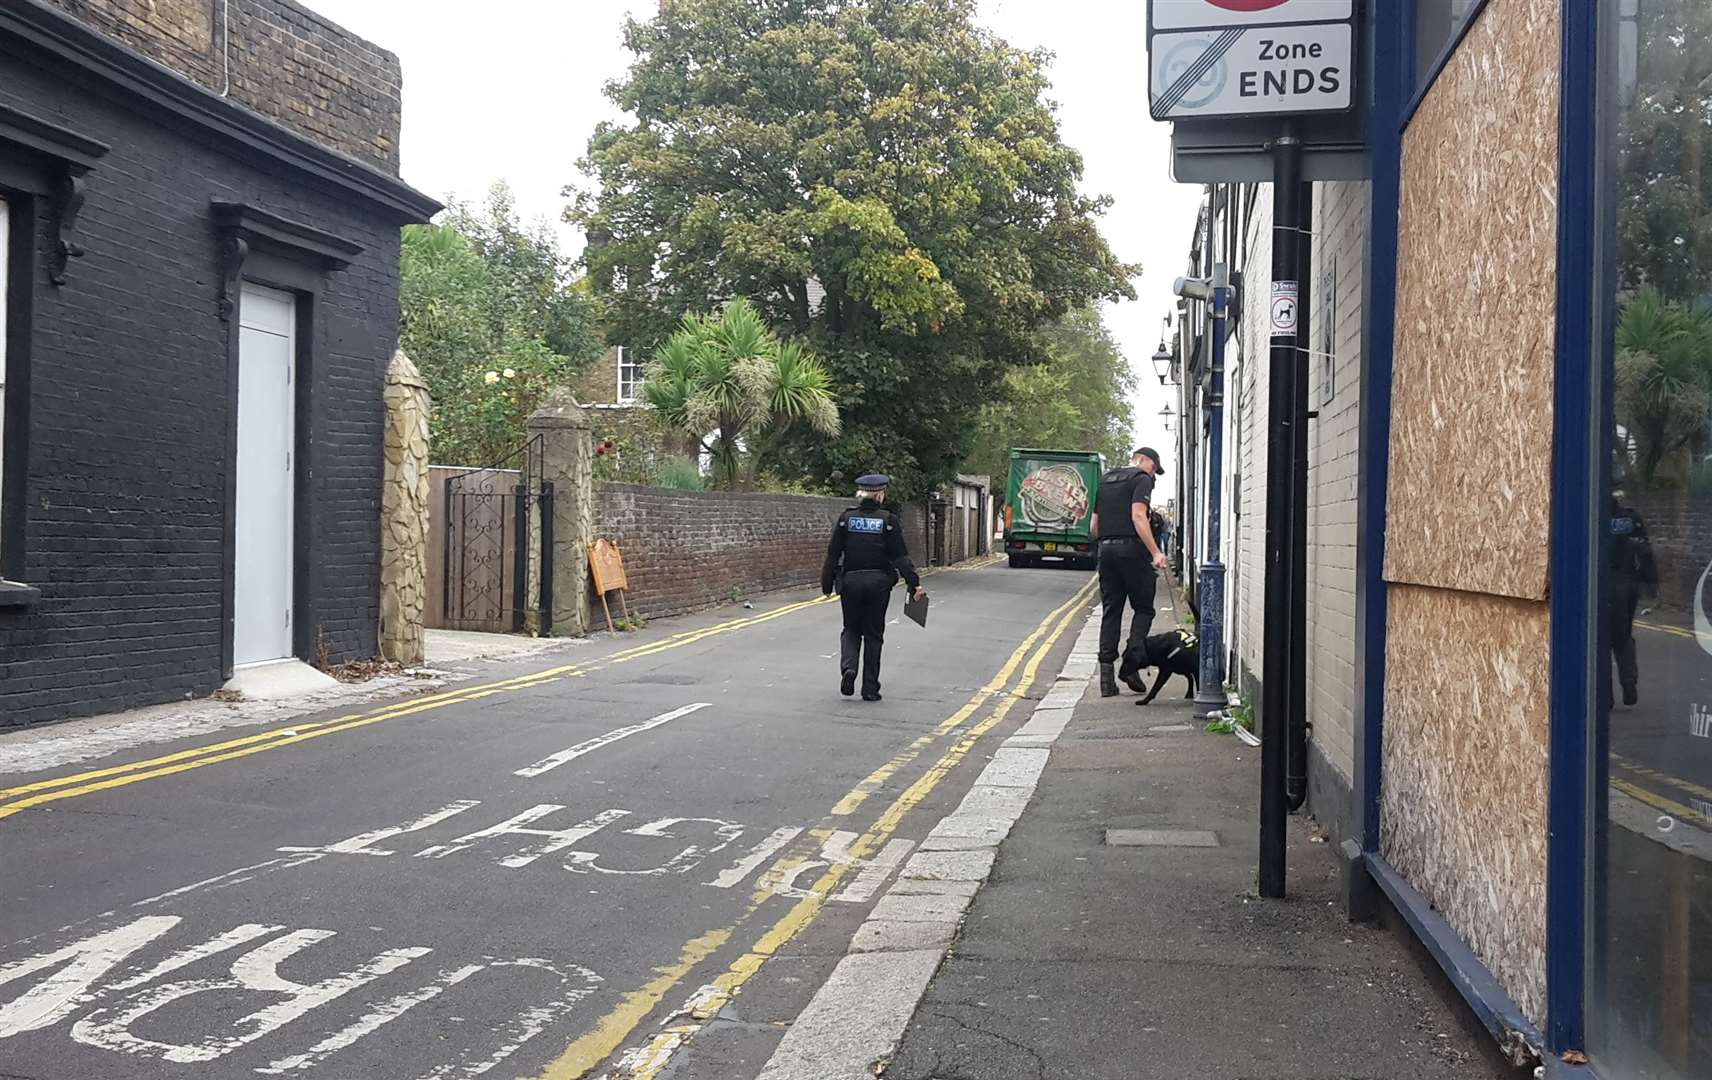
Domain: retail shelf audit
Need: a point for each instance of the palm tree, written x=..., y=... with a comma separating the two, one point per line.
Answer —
x=1663, y=378
x=728, y=381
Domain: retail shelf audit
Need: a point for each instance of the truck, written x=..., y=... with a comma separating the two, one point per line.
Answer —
x=1049, y=507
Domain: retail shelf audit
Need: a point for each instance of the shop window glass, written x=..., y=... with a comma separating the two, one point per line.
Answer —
x=1437, y=23
x=1649, y=1014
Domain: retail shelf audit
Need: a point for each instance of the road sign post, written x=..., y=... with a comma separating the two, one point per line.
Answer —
x=1225, y=68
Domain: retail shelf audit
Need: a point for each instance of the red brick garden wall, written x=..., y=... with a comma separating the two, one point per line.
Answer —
x=686, y=550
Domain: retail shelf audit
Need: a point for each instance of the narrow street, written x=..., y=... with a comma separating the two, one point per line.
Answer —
x=529, y=876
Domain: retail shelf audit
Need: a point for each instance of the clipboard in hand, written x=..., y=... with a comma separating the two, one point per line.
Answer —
x=917, y=610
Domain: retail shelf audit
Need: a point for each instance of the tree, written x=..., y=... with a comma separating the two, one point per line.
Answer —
x=736, y=389
x=1663, y=379
x=1665, y=182
x=493, y=320
x=882, y=178
x=1076, y=396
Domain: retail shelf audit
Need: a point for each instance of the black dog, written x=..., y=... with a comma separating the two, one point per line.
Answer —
x=1175, y=652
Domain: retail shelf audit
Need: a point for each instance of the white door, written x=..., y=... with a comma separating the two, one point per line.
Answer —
x=266, y=441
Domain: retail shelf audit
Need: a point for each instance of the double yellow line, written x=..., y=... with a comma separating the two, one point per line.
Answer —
x=15, y=800
x=610, y=1031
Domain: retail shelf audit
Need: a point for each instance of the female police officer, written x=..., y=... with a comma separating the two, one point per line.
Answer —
x=868, y=547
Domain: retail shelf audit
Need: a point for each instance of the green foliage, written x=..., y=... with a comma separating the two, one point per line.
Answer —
x=1236, y=716
x=682, y=474
x=1665, y=186
x=888, y=153
x=1664, y=333
x=493, y=321
x=1663, y=380
x=728, y=380
x=1076, y=396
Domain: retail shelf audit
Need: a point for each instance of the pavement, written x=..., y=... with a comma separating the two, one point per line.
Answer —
x=1081, y=959
x=638, y=856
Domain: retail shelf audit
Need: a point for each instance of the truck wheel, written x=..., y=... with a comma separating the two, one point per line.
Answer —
x=1016, y=561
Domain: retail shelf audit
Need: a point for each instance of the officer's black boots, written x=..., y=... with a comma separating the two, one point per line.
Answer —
x=1108, y=681
x=870, y=695
x=1129, y=673
x=847, y=684
x=1631, y=693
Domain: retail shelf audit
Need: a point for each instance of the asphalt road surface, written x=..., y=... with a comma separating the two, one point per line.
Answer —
x=1662, y=747
x=640, y=855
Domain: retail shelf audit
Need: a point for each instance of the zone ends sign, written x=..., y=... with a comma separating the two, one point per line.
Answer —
x=1218, y=14
x=1227, y=58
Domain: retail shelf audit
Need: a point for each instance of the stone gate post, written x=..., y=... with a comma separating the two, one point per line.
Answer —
x=567, y=462
x=404, y=514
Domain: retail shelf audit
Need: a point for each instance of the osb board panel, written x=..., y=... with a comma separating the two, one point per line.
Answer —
x=1471, y=412
x=1463, y=812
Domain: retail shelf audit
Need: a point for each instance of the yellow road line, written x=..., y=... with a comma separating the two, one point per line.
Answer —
x=611, y=1030
x=1659, y=802
x=1656, y=774
x=1677, y=631
x=85, y=783
x=878, y=777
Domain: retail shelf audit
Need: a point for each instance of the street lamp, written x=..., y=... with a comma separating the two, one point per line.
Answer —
x=1162, y=358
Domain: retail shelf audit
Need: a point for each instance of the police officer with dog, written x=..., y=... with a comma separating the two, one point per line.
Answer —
x=867, y=555
x=1130, y=561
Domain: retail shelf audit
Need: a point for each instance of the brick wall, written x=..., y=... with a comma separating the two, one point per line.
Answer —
x=125, y=495
x=1334, y=444
x=284, y=61
x=1680, y=526
x=599, y=384
x=1334, y=381
x=685, y=550
x=1248, y=591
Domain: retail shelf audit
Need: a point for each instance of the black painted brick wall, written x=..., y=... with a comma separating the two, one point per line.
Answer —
x=129, y=395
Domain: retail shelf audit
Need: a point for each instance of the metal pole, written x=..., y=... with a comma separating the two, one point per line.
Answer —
x=1296, y=774
x=1280, y=463
x=1210, y=629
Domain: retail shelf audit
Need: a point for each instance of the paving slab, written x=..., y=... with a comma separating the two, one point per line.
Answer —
x=950, y=865
x=855, y=1020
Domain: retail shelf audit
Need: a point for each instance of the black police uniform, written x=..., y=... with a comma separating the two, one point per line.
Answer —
x=868, y=545
x=1126, y=568
x=1632, y=566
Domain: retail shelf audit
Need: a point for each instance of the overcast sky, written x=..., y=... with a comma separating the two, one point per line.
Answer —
x=511, y=89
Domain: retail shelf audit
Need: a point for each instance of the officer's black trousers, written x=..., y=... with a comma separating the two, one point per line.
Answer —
x=1126, y=576
x=865, y=597
x=1622, y=629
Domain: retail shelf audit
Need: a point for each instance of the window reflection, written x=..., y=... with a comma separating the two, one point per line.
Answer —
x=1651, y=1006
x=1436, y=24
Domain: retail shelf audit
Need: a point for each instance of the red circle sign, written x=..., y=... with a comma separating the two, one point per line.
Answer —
x=1248, y=5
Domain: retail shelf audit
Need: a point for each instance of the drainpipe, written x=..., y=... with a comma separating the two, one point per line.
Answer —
x=1210, y=628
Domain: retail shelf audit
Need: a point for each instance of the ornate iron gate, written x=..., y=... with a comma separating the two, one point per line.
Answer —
x=499, y=546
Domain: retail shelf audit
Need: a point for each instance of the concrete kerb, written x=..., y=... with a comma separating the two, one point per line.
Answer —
x=858, y=1017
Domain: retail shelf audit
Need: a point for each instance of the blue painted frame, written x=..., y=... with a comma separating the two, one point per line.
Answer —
x=1391, y=45
x=1577, y=466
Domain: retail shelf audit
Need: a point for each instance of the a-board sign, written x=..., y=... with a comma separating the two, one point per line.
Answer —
x=606, y=562
x=1234, y=58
